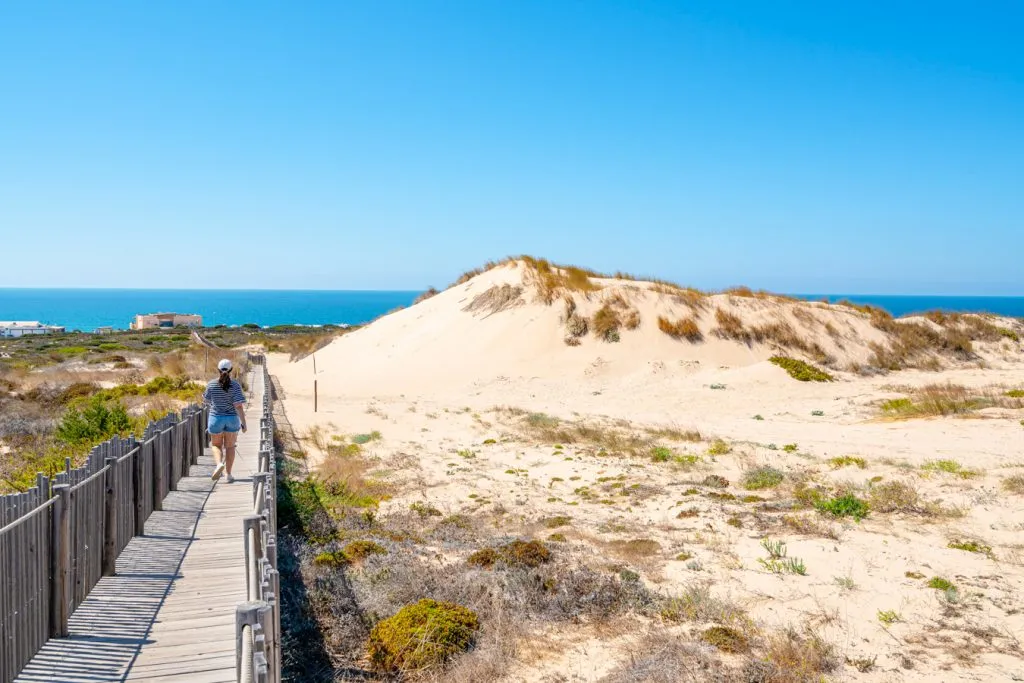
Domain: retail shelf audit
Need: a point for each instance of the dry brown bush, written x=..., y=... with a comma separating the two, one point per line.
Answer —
x=684, y=328
x=429, y=294
x=606, y=321
x=792, y=657
x=661, y=657
x=631, y=319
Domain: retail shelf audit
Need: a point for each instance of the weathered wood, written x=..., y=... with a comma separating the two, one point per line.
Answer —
x=110, y=524
x=159, y=473
x=168, y=613
x=60, y=588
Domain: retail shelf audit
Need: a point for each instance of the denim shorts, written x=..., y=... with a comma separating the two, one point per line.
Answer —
x=223, y=423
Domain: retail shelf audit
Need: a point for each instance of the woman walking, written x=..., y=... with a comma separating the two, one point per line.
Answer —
x=227, y=415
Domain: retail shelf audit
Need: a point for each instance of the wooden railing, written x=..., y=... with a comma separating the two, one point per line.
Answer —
x=258, y=621
x=59, y=538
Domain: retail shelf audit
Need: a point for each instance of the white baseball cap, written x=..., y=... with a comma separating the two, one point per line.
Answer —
x=224, y=365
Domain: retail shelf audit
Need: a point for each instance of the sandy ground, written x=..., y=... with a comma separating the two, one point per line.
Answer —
x=437, y=382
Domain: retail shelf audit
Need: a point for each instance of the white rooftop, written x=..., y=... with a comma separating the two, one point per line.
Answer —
x=22, y=323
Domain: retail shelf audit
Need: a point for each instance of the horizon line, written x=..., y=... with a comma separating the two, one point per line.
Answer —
x=420, y=291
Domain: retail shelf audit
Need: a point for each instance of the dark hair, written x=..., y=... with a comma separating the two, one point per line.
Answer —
x=225, y=379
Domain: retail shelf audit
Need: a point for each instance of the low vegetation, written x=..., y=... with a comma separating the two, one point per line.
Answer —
x=800, y=370
x=935, y=400
x=846, y=505
x=420, y=636
x=683, y=328
x=761, y=478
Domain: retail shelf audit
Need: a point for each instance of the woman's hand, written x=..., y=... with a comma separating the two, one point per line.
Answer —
x=244, y=427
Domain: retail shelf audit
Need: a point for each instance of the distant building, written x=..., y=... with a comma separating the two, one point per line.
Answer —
x=149, y=321
x=23, y=328
x=106, y=329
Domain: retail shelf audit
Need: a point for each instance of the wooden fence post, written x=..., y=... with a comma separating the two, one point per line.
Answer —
x=159, y=472
x=138, y=492
x=60, y=574
x=253, y=553
x=110, y=518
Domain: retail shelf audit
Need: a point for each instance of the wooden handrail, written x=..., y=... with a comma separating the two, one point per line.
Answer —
x=258, y=622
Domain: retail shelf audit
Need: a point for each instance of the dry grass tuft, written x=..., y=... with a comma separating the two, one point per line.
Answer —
x=946, y=399
x=792, y=657
x=730, y=326
x=496, y=299
x=810, y=525
x=696, y=603
x=903, y=497
x=684, y=328
x=636, y=549
x=606, y=322
x=666, y=658
x=1014, y=484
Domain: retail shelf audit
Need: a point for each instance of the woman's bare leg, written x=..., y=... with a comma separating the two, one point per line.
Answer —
x=229, y=449
x=216, y=445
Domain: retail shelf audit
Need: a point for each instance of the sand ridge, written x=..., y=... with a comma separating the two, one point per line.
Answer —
x=468, y=403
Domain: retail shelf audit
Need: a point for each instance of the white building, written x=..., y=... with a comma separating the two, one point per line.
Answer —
x=147, y=321
x=22, y=328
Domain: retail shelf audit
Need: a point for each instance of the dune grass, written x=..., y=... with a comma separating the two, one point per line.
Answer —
x=935, y=400
x=683, y=328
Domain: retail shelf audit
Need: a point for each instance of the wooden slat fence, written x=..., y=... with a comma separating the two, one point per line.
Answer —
x=59, y=538
x=258, y=621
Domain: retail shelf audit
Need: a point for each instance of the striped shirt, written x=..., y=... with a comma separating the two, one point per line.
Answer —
x=222, y=403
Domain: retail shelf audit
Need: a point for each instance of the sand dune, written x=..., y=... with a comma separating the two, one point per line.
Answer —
x=469, y=371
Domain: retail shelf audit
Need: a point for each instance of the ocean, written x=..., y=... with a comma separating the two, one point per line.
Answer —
x=87, y=309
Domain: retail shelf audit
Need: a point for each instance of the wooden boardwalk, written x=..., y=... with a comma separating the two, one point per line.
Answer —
x=169, y=613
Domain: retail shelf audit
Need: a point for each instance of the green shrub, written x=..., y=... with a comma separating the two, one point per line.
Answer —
x=844, y=506
x=949, y=467
x=1009, y=334
x=889, y=617
x=725, y=639
x=799, y=370
x=362, y=439
x=790, y=448
x=761, y=478
x=334, y=558
x=420, y=636
x=72, y=350
x=719, y=447
x=1015, y=393
x=939, y=583
x=425, y=509
x=661, y=454
x=557, y=521
x=846, y=461
x=97, y=421
x=971, y=547
x=897, y=405
x=360, y=550
x=557, y=538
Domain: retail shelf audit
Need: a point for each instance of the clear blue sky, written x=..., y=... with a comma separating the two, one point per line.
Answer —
x=858, y=147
